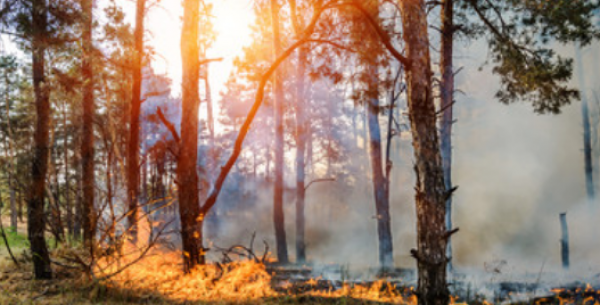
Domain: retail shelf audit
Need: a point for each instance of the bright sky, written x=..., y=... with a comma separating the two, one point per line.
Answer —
x=163, y=24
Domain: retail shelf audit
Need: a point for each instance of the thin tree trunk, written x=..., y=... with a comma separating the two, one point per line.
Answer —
x=133, y=157
x=11, y=157
x=35, y=210
x=189, y=204
x=382, y=207
x=587, y=133
x=301, y=132
x=447, y=100
x=87, y=145
x=68, y=203
x=430, y=188
x=278, y=215
x=300, y=157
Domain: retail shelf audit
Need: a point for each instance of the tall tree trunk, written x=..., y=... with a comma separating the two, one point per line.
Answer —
x=133, y=155
x=430, y=188
x=300, y=157
x=209, y=108
x=278, y=215
x=382, y=206
x=447, y=100
x=68, y=203
x=189, y=204
x=11, y=160
x=77, y=220
x=35, y=209
x=87, y=145
x=587, y=133
x=301, y=132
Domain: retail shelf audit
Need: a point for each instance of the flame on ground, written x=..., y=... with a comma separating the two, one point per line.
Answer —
x=160, y=274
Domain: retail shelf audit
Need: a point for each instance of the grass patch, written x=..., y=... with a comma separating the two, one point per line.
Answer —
x=16, y=239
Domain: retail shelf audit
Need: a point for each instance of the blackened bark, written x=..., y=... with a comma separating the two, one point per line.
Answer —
x=278, y=215
x=587, y=133
x=187, y=177
x=87, y=146
x=133, y=154
x=35, y=210
x=564, y=241
x=430, y=187
x=447, y=100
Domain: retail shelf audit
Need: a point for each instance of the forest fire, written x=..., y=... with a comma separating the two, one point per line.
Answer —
x=159, y=274
x=143, y=141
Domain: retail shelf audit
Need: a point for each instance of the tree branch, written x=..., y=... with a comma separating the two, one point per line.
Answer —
x=168, y=124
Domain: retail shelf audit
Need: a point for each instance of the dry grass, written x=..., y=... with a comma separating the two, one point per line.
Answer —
x=245, y=283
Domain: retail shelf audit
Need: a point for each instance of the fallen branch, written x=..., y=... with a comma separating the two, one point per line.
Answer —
x=7, y=245
x=317, y=181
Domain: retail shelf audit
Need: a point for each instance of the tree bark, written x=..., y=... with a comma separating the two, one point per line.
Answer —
x=564, y=241
x=87, y=145
x=382, y=206
x=11, y=160
x=447, y=100
x=68, y=203
x=587, y=133
x=278, y=215
x=430, y=188
x=133, y=155
x=35, y=210
x=189, y=204
x=301, y=132
x=301, y=135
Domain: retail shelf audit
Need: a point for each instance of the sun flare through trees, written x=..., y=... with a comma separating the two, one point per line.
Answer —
x=299, y=151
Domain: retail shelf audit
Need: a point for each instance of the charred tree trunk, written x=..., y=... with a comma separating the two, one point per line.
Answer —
x=587, y=133
x=35, y=209
x=564, y=241
x=278, y=215
x=187, y=177
x=447, y=101
x=133, y=154
x=87, y=146
x=431, y=192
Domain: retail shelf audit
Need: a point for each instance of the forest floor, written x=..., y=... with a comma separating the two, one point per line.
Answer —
x=73, y=287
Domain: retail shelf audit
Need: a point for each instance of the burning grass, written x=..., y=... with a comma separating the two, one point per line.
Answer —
x=158, y=275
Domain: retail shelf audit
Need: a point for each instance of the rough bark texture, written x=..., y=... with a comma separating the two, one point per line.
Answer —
x=587, y=133
x=133, y=157
x=35, y=209
x=87, y=146
x=447, y=100
x=278, y=216
x=187, y=177
x=430, y=188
